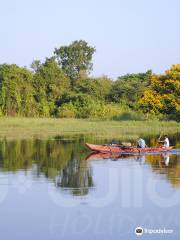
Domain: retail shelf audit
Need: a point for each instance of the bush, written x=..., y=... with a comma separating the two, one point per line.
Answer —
x=130, y=115
x=67, y=110
x=83, y=106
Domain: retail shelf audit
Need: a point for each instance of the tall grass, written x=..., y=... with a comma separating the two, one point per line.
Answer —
x=22, y=128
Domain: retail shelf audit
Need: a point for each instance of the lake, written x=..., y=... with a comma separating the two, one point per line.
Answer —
x=56, y=189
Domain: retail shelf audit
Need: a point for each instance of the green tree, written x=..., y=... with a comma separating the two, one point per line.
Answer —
x=84, y=106
x=75, y=59
x=129, y=89
x=98, y=88
x=16, y=91
x=50, y=84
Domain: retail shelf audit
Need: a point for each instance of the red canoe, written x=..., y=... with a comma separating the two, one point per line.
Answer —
x=123, y=149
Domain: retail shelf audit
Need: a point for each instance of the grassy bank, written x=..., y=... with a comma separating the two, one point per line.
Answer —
x=23, y=128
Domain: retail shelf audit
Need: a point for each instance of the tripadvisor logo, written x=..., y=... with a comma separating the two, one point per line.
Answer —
x=139, y=231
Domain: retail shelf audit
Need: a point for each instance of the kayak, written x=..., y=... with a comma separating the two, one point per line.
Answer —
x=114, y=148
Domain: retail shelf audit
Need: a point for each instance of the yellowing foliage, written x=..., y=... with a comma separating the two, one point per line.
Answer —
x=151, y=102
x=163, y=95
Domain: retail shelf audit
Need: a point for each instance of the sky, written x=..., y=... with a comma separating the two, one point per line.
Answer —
x=130, y=36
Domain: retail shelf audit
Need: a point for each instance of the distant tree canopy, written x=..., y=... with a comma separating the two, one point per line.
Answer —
x=61, y=87
x=75, y=59
x=129, y=88
x=50, y=83
x=98, y=88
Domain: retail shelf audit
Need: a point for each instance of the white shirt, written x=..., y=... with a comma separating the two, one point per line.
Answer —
x=141, y=143
x=166, y=142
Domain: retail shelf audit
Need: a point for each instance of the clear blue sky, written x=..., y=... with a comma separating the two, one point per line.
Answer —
x=129, y=35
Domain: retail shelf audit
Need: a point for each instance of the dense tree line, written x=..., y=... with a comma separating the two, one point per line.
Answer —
x=61, y=87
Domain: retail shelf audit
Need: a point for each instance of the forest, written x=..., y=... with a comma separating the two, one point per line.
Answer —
x=61, y=87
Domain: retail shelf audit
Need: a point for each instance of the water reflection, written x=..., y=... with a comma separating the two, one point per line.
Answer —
x=60, y=162
x=76, y=176
x=166, y=158
x=68, y=165
x=166, y=163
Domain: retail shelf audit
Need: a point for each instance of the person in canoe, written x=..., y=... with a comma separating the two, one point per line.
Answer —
x=165, y=141
x=141, y=143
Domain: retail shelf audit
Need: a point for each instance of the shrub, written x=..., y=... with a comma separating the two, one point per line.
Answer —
x=86, y=107
x=130, y=115
x=67, y=110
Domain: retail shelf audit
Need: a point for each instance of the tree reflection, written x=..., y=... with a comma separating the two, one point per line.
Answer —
x=58, y=161
x=63, y=162
x=76, y=176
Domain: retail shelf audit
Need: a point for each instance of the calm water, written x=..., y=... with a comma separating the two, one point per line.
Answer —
x=55, y=189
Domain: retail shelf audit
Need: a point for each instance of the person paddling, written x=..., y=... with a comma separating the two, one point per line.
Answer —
x=165, y=141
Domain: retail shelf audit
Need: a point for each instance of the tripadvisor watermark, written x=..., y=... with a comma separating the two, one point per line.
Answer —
x=139, y=231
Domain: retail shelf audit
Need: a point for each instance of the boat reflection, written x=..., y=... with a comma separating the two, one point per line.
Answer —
x=164, y=158
x=112, y=156
x=115, y=157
